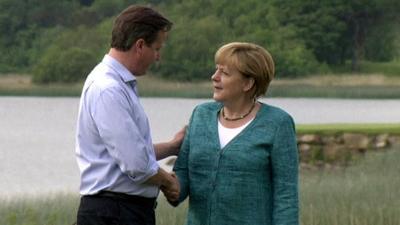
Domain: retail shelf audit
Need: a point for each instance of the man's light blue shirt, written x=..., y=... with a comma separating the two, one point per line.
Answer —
x=114, y=147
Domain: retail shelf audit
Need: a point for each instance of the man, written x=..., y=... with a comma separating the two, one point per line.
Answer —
x=120, y=177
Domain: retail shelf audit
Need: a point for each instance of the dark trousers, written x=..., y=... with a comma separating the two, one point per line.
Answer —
x=108, y=208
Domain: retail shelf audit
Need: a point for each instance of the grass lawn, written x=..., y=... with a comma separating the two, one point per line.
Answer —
x=393, y=128
x=363, y=194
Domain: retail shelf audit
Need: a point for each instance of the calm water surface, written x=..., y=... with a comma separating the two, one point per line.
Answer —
x=37, y=134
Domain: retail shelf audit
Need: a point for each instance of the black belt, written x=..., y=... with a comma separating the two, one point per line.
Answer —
x=151, y=202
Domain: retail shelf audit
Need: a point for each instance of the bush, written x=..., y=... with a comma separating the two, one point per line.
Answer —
x=189, y=56
x=69, y=65
x=70, y=54
x=294, y=62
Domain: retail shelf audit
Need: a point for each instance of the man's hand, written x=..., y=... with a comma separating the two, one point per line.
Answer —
x=176, y=142
x=172, y=190
x=166, y=149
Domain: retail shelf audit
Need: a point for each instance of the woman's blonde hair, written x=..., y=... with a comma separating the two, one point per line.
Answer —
x=251, y=61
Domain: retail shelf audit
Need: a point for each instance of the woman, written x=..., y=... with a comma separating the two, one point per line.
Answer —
x=238, y=162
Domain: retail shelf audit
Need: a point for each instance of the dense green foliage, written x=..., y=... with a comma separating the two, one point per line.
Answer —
x=198, y=34
x=304, y=37
x=339, y=30
x=64, y=66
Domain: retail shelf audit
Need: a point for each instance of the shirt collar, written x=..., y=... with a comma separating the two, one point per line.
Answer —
x=121, y=70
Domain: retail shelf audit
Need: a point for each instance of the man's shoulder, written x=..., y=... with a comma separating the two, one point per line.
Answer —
x=103, y=77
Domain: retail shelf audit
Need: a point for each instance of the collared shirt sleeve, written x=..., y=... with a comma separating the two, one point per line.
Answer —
x=121, y=134
x=284, y=160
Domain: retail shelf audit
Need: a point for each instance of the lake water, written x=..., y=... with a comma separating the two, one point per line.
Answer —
x=37, y=134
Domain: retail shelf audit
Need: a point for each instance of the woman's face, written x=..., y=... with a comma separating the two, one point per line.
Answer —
x=229, y=84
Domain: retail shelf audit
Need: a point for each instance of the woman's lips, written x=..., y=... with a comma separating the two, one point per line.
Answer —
x=217, y=88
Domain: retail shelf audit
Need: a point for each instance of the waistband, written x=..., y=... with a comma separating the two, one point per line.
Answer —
x=151, y=202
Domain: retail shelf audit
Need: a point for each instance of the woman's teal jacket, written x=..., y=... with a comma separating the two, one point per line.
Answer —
x=253, y=180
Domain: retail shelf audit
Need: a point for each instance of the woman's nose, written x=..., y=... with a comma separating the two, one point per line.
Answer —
x=215, y=76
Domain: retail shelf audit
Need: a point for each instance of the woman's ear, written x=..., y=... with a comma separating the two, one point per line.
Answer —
x=250, y=82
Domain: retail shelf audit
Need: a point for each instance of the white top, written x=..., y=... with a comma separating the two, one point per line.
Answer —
x=227, y=134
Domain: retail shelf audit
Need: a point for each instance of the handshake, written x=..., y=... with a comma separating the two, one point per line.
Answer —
x=171, y=189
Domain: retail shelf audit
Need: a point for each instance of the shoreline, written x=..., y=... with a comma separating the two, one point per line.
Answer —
x=344, y=86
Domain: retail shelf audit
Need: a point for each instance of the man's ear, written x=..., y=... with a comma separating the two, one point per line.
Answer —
x=139, y=45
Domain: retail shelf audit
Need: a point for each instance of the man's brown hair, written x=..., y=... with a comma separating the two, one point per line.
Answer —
x=137, y=22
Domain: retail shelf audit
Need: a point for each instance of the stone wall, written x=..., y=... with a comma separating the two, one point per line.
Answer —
x=333, y=151
x=339, y=150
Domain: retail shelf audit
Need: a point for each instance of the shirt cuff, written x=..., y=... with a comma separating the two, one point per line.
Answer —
x=151, y=171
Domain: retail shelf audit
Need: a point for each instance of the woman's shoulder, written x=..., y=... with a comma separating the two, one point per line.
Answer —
x=208, y=107
x=275, y=113
x=204, y=112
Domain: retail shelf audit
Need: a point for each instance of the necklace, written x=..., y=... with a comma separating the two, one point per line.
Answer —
x=240, y=117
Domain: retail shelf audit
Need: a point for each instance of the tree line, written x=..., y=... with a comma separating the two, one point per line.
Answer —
x=60, y=41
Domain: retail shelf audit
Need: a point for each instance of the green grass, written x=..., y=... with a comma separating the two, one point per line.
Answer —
x=373, y=128
x=167, y=215
x=151, y=86
x=353, y=92
x=194, y=90
x=54, y=209
x=44, y=90
x=386, y=68
x=366, y=67
x=364, y=194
